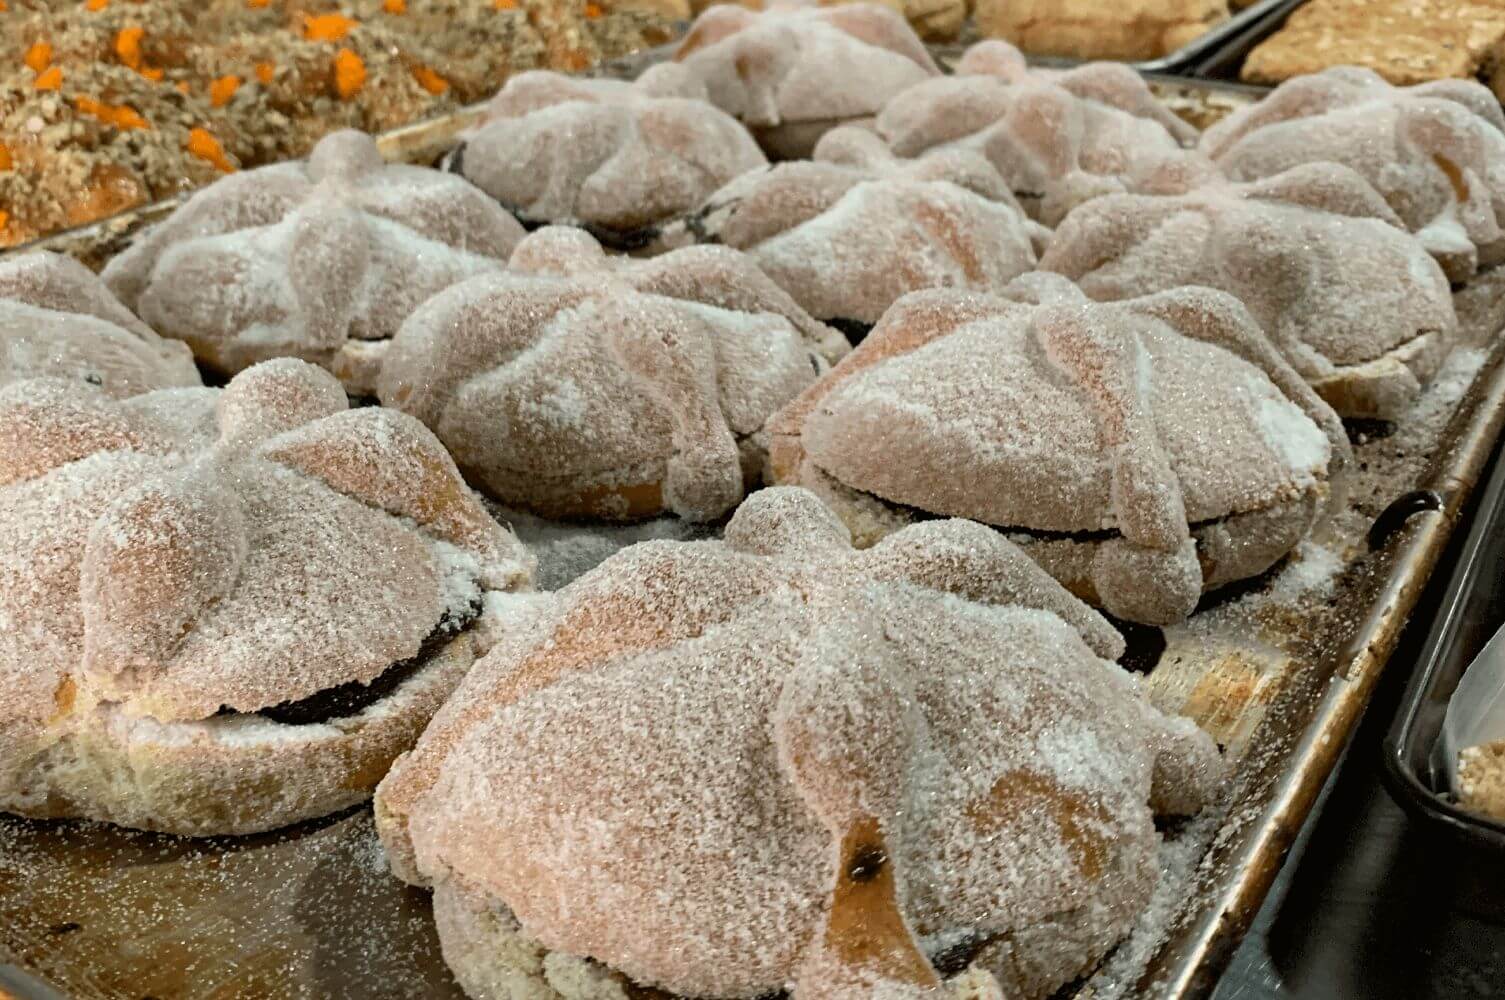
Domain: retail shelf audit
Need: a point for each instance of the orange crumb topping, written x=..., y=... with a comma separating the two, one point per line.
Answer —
x=38, y=56
x=5, y=160
x=128, y=45
x=349, y=73
x=205, y=146
x=122, y=116
x=96, y=5
x=222, y=89
x=4, y=216
x=257, y=4
x=395, y=6
x=326, y=27
x=265, y=71
x=182, y=86
x=154, y=73
x=3, y=6
x=504, y=4
x=50, y=79
x=593, y=10
x=429, y=80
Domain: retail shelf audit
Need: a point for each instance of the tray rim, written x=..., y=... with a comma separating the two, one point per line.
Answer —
x=1403, y=783
x=1190, y=962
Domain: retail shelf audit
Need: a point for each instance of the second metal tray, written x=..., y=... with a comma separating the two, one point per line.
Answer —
x=1472, y=609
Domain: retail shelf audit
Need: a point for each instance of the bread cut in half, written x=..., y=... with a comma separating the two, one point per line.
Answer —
x=791, y=72
x=226, y=610
x=320, y=260
x=1058, y=137
x=1142, y=452
x=1435, y=152
x=726, y=768
x=578, y=385
x=847, y=233
x=1351, y=298
x=57, y=319
x=617, y=158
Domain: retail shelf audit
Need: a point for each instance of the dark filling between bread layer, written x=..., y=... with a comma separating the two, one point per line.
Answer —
x=621, y=240
x=853, y=329
x=354, y=697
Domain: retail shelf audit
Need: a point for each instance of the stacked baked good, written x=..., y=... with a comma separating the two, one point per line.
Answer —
x=793, y=72
x=227, y=609
x=58, y=320
x=849, y=231
x=617, y=158
x=1057, y=138
x=583, y=386
x=320, y=260
x=727, y=769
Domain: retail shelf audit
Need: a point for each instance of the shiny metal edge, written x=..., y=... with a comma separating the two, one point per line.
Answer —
x=1191, y=960
x=1203, y=45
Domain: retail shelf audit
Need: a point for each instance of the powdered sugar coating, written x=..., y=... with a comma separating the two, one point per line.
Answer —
x=856, y=228
x=578, y=385
x=1435, y=151
x=319, y=260
x=722, y=768
x=58, y=320
x=1059, y=138
x=790, y=72
x=191, y=550
x=614, y=155
x=1130, y=423
x=1353, y=300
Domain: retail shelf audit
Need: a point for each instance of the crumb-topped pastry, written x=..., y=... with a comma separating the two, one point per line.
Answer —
x=727, y=768
x=852, y=230
x=1058, y=137
x=1353, y=301
x=792, y=72
x=1143, y=452
x=615, y=157
x=581, y=385
x=58, y=319
x=226, y=610
x=1091, y=29
x=1436, y=152
x=1405, y=41
x=320, y=260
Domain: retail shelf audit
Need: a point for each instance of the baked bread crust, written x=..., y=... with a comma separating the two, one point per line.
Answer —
x=1435, y=152
x=579, y=385
x=852, y=230
x=320, y=260
x=1058, y=137
x=1352, y=300
x=616, y=157
x=914, y=803
x=1080, y=428
x=192, y=564
x=790, y=73
x=58, y=320
x=1089, y=29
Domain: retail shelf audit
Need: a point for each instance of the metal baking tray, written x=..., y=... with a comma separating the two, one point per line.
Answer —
x=1279, y=677
x=1181, y=61
x=1225, y=62
x=1472, y=610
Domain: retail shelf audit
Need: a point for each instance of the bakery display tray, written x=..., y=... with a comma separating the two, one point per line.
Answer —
x=1188, y=56
x=1278, y=670
x=1472, y=610
x=1225, y=61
